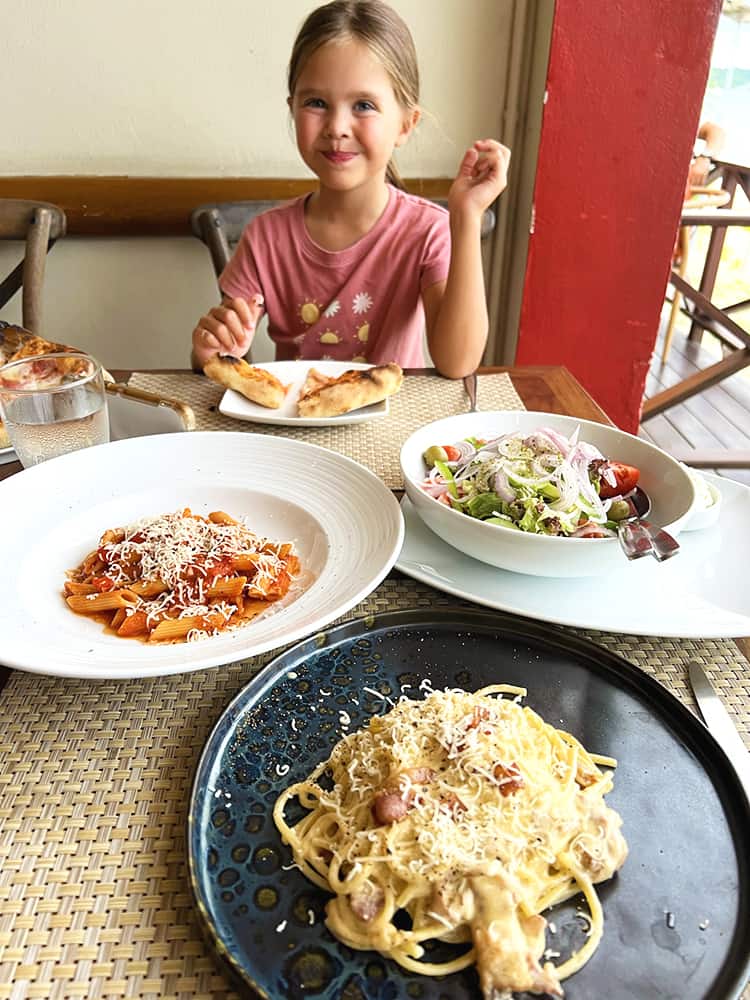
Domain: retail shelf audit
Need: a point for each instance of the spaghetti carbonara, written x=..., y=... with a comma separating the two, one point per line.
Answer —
x=473, y=815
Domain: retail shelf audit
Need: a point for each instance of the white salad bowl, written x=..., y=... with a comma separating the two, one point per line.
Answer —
x=667, y=483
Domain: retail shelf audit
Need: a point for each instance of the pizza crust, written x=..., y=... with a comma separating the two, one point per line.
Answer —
x=330, y=397
x=314, y=380
x=256, y=384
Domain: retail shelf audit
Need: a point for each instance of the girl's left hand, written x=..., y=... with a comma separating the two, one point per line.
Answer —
x=482, y=176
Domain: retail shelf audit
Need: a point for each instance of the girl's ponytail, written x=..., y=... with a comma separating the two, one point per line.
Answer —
x=393, y=176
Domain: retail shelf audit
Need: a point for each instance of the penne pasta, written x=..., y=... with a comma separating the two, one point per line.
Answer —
x=227, y=590
x=89, y=604
x=181, y=576
x=148, y=588
x=220, y=517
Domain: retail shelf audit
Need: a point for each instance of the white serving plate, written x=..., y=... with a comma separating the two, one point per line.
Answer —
x=346, y=525
x=293, y=374
x=700, y=593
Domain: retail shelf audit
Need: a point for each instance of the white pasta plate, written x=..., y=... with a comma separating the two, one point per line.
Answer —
x=698, y=594
x=346, y=526
x=293, y=374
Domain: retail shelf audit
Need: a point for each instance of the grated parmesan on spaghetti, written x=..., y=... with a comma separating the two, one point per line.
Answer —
x=474, y=815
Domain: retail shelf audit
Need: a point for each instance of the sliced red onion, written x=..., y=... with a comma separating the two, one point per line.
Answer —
x=465, y=449
x=559, y=440
x=502, y=487
x=434, y=489
x=608, y=475
x=592, y=528
x=471, y=466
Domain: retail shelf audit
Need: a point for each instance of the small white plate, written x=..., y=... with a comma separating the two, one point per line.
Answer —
x=699, y=593
x=346, y=526
x=293, y=374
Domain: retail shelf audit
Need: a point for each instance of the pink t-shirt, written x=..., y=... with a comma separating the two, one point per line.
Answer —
x=363, y=303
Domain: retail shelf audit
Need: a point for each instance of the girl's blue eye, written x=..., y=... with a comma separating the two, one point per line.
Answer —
x=365, y=106
x=314, y=102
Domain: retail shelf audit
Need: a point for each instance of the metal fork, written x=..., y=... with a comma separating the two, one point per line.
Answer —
x=470, y=385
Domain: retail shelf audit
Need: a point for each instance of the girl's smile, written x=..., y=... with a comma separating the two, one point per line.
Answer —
x=338, y=156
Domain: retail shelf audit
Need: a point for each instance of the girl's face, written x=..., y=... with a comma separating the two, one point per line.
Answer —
x=346, y=116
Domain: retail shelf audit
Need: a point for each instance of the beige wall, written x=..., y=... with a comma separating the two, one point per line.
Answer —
x=167, y=88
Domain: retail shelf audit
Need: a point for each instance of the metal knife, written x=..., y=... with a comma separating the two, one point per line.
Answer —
x=719, y=723
x=470, y=385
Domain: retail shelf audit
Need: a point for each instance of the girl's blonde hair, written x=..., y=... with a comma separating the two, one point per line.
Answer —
x=381, y=29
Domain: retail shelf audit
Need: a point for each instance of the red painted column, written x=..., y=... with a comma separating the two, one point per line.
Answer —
x=625, y=85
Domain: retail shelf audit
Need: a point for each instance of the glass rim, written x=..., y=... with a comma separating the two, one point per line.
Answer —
x=51, y=355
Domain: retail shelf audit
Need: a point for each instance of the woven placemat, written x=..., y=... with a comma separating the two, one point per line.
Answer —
x=375, y=443
x=94, y=785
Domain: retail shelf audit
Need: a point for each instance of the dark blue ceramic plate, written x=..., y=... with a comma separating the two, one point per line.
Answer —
x=677, y=917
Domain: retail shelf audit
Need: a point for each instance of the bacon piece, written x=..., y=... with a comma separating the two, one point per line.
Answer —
x=394, y=802
x=479, y=714
x=389, y=807
x=452, y=804
x=509, y=778
x=367, y=903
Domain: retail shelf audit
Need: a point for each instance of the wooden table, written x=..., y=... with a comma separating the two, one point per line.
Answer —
x=95, y=779
x=551, y=389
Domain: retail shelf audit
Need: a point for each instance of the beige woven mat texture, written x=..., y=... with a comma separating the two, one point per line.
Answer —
x=94, y=785
x=95, y=776
x=428, y=397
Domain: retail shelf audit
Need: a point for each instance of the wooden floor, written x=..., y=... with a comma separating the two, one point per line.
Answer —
x=716, y=418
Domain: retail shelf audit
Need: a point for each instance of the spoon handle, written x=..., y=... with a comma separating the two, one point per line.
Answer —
x=663, y=545
x=635, y=541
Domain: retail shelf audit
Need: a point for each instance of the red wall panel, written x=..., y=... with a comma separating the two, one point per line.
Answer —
x=625, y=84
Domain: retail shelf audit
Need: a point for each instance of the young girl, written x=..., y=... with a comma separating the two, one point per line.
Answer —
x=357, y=270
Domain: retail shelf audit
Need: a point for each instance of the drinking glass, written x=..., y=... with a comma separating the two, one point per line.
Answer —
x=53, y=404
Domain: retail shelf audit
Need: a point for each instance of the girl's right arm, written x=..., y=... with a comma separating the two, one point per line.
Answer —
x=226, y=329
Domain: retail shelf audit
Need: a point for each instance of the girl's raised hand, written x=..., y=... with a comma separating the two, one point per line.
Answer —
x=226, y=329
x=482, y=176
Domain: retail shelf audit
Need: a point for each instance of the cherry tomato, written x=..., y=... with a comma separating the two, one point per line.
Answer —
x=452, y=452
x=626, y=478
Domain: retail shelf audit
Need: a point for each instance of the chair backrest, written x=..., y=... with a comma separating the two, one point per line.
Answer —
x=38, y=224
x=219, y=225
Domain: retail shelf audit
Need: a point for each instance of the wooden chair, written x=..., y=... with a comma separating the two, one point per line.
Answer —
x=707, y=315
x=38, y=224
x=219, y=226
x=700, y=197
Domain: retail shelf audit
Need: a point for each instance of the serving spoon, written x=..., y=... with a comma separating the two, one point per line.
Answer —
x=639, y=537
